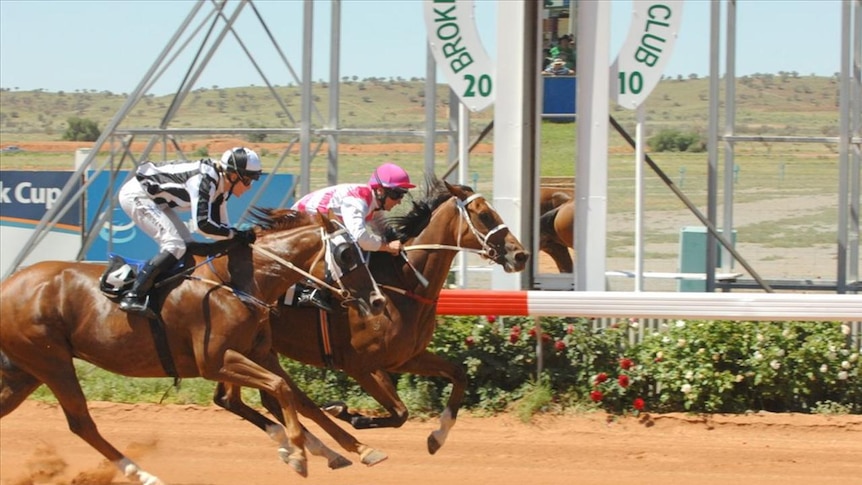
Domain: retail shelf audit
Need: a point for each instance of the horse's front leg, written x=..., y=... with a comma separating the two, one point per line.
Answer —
x=378, y=384
x=229, y=397
x=240, y=370
x=307, y=407
x=428, y=364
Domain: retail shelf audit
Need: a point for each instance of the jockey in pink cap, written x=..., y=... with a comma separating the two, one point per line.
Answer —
x=358, y=207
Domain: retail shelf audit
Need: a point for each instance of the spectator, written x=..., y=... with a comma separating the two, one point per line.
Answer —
x=558, y=68
x=565, y=50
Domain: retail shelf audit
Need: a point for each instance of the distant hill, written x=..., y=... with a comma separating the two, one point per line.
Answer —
x=776, y=104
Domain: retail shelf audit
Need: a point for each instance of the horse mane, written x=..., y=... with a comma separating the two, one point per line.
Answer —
x=267, y=220
x=411, y=224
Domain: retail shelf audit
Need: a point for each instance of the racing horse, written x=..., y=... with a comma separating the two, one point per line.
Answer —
x=449, y=219
x=215, y=324
x=556, y=225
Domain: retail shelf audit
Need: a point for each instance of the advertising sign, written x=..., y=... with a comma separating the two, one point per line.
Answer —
x=647, y=49
x=458, y=50
x=25, y=197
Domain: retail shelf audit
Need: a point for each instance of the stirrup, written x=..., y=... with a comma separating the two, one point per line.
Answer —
x=315, y=298
x=132, y=304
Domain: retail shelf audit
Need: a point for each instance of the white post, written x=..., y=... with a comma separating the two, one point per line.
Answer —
x=639, y=198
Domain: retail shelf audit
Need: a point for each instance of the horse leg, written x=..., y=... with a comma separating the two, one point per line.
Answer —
x=378, y=385
x=229, y=397
x=367, y=455
x=244, y=372
x=431, y=365
x=60, y=377
x=15, y=385
x=561, y=256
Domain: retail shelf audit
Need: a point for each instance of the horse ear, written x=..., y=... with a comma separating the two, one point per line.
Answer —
x=455, y=190
x=327, y=221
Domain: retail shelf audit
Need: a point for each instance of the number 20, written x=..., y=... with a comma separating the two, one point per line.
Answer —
x=484, y=85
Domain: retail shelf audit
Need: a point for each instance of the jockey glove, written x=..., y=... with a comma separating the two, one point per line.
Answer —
x=246, y=237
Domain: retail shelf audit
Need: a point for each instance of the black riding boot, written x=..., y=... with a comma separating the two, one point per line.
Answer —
x=137, y=300
x=311, y=296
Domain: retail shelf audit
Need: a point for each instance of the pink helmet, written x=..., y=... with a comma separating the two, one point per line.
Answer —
x=390, y=176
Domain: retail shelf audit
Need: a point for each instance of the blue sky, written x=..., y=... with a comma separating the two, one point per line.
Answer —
x=109, y=45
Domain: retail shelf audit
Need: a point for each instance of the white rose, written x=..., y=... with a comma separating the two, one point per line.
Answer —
x=842, y=376
x=775, y=364
x=686, y=388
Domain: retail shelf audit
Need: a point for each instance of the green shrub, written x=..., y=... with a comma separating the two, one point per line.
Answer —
x=676, y=141
x=81, y=129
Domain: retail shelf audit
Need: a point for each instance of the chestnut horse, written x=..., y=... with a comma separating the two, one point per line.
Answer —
x=216, y=324
x=450, y=219
x=557, y=225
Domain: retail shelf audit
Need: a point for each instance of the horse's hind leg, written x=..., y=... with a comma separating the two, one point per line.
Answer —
x=61, y=378
x=15, y=385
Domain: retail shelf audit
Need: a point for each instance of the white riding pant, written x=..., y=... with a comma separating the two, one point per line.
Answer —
x=158, y=221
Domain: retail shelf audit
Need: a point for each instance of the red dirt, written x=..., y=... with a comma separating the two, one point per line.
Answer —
x=193, y=445
x=217, y=145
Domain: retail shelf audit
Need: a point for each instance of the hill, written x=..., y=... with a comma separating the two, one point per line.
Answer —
x=768, y=104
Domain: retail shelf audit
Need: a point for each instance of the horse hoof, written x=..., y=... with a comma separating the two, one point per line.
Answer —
x=372, y=457
x=433, y=444
x=336, y=409
x=340, y=462
x=299, y=466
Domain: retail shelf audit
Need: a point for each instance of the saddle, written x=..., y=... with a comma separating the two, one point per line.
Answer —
x=122, y=271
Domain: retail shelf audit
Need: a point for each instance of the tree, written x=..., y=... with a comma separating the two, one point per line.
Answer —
x=81, y=129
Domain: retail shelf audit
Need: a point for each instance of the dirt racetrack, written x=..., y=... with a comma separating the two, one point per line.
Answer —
x=193, y=445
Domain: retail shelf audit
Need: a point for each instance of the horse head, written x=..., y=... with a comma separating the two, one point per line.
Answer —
x=301, y=243
x=484, y=228
x=347, y=265
x=467, y=218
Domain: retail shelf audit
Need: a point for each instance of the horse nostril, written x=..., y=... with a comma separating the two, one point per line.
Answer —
x=522, y=256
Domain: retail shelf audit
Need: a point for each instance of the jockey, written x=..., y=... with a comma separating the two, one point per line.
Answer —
x=202, y=187
x=358, y=207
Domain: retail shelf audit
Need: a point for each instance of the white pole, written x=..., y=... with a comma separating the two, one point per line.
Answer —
x=463, y=170
x=639, y=197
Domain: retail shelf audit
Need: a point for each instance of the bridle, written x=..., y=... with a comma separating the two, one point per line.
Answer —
x=488, y=251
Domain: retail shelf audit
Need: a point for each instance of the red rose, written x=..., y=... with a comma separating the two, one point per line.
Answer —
x=638, y=404
x=623, y=380
x=516, y=329
x=491, y=318
x=570, y=329
x=602, y=377
x=470, y=341
x=532, y=332
x=514, y=336
x=546, y=337
x=626, y=363
x=559, y=346
x=596, y=396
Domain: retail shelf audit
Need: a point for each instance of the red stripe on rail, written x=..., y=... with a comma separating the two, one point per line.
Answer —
x=482, y=302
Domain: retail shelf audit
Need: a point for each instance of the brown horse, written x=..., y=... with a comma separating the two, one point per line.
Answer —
x=216, y=325
x=556, y=225
x=449, y=219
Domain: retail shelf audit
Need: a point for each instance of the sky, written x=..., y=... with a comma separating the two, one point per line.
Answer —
x=110, y=45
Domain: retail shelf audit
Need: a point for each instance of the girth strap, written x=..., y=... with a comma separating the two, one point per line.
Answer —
x=163, y=349
x=325, y=340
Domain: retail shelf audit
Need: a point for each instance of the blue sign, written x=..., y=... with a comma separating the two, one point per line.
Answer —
x=25, y=197
x=119, y=235
x=559, y=98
